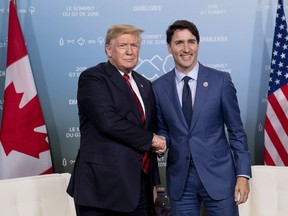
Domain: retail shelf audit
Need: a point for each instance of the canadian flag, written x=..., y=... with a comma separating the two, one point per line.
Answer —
x=24, y=146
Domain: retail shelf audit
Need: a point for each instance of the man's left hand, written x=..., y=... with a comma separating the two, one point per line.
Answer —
x=242, y=190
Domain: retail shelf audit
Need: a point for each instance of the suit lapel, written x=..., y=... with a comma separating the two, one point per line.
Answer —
x=171, y=91
x=143, y=92
x=200, y=96
x=120, y=83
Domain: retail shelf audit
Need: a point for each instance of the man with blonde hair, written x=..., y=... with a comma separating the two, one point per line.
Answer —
x=116, y=167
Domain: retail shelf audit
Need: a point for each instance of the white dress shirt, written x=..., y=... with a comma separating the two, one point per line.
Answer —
x=192, y=82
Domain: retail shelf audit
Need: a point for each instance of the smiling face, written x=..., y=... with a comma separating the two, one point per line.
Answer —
x=184, y=49
x=123, y=52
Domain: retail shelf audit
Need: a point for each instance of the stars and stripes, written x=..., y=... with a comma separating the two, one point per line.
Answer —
x=276, y=121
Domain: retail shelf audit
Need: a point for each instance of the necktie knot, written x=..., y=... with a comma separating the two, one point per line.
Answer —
x=186, y=79
x=126, y=77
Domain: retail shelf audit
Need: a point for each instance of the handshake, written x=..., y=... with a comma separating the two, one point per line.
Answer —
x=159, y=144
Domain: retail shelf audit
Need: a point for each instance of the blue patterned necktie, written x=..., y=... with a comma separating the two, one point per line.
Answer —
x=187, y=101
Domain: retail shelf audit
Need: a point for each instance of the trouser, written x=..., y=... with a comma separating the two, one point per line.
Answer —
x=195, y=196
x=144, y=207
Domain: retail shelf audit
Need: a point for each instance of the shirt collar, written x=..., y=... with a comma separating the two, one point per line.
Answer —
x=129, y=74
x=193, y=73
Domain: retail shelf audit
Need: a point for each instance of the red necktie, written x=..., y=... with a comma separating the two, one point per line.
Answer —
x=145, y=160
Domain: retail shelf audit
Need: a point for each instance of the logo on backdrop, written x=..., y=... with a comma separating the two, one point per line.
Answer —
x=155, y=67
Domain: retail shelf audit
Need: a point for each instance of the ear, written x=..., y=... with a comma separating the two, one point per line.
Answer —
x=169, y=48
x=108, y=51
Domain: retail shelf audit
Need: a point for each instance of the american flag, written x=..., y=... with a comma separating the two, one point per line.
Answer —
x=276, y=121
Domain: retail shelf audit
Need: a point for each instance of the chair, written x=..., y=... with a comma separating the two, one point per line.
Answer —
x=268, y=192
x=43, y=195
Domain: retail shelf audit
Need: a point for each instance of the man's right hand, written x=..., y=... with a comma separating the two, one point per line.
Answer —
x=159, y=145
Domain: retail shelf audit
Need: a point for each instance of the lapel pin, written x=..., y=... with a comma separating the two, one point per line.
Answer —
x=205, y=84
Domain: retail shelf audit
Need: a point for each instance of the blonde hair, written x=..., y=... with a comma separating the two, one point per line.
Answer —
x=118, y=30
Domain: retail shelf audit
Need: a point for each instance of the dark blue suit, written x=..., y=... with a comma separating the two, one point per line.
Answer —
x=205, y=140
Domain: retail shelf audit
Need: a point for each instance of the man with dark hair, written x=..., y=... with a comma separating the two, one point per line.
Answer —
x=195, y=104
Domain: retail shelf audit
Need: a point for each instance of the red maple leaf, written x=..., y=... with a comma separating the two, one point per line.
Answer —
x=17, y=132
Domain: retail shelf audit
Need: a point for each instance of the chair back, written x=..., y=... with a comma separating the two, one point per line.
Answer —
x=268, y=192
x=43, y=195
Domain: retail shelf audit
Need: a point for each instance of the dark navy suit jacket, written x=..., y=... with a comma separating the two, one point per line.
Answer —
x=107, y=172
x=215, y=107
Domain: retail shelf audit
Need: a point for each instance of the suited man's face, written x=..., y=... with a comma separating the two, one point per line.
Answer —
x=123, y=52
x=184, y=49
